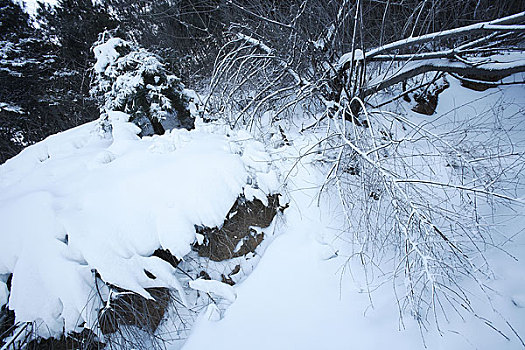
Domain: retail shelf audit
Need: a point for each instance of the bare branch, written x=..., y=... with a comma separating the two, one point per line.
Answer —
x=269, y=20
x=463, y=188
x=504, y=24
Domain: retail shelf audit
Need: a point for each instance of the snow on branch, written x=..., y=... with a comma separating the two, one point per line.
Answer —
x=412, y=69
x=269, y=51
x=255, y=42
x=266, y=19
x=509, y=23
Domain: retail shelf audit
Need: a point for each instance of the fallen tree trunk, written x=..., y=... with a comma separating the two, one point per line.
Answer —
x=509, y=23
x=490, y=70
x=463, y=59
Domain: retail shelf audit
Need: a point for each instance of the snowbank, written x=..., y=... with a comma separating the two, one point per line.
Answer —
x=86, y=200
x=218, y=288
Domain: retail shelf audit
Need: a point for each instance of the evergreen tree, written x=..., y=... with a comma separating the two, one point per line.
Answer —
x=74, y=25
x=133, y=80
x=188, y=34
x=24, y=67
x=44, y=73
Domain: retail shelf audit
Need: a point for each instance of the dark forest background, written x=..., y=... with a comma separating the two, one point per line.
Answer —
x=46, y=61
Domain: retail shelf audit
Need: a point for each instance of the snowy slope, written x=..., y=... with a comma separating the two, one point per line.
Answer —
x=296, y=297
x=303, y=296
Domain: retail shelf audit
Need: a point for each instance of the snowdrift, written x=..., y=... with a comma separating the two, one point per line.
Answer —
x=89, y=203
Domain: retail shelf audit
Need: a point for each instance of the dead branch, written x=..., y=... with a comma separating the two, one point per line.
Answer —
x=501, y=24
x=490, y=70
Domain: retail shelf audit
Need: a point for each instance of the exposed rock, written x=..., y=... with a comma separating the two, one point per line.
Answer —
x=128, y=308
x=85, y=340
x=427, y=100
x=236, y=237
x=166, y=255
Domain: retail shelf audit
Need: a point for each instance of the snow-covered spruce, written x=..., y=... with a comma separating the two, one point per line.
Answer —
x=132, y=80
x=81, y=210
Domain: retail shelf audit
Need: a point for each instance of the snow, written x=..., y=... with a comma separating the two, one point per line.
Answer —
x=321, y=43
x=31, y=6
x=11, y=108
x=4, y=293
x=124, y=74
x=255, y=42
x=106, y=54
x=444, y=34
x=98, y=197
x=347, y=57
x=308, y=292
x=217, y=288
x=87, y=199
x=506, y=64
x=294, y=299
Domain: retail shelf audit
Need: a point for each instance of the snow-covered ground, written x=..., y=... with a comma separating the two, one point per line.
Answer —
x=93, y=199
x=303, y=295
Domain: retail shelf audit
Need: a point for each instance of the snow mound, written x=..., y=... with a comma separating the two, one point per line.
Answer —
x=218, y=288
x=89, y=203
